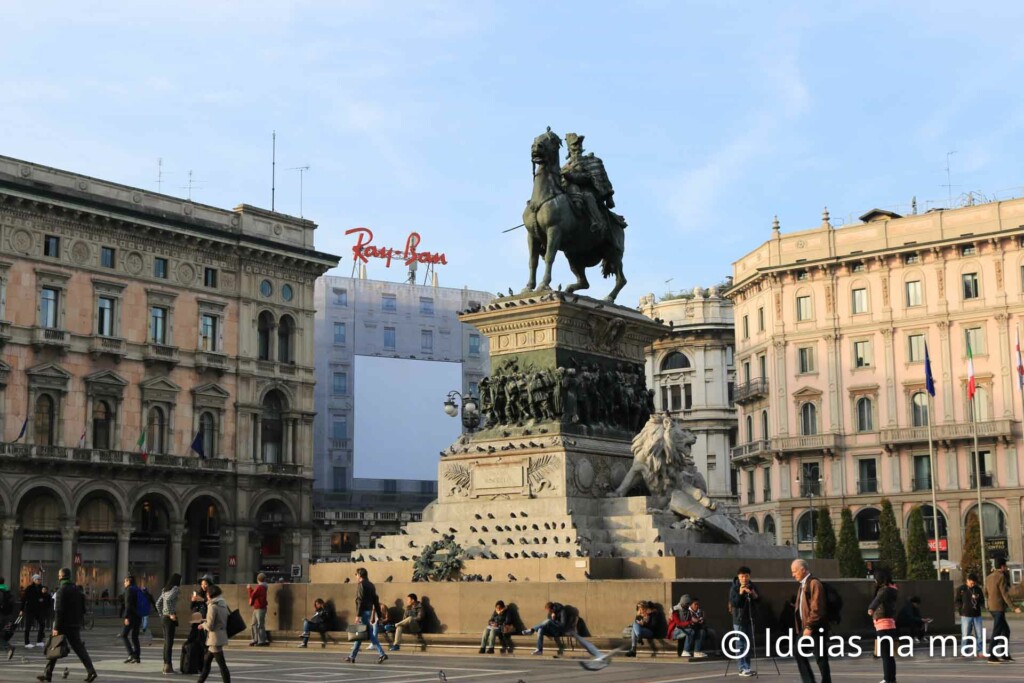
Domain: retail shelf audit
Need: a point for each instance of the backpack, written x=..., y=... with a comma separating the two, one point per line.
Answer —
x=6, y=602
x=833, y=603
x=142, y=604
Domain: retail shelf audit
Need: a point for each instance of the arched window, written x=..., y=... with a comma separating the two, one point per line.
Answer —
x=101, y=425
x=806, y=527
x=769, y=528
x=808, y=419
x=865, y=422
x=208, y=426
x=867, y=523
x=157, y=430
x=929, y=522
x=764, y=425
x=752, y=523
x=750, y=428
x=919, y=409
x=43, y=421
x=675, y=361
x=272, y=427
x=264, y=328
x=993, y=517
x=285, y=337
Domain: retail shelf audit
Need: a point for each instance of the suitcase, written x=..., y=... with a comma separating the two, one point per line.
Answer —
x=192, y=658
x=9, y=628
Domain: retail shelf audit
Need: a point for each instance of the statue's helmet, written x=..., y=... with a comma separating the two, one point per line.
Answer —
x=574, y=141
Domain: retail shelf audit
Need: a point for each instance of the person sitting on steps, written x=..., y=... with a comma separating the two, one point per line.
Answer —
x=499, y=627
x=412, y=619
x=553, y=626
x=318, y=622
x=643, y=627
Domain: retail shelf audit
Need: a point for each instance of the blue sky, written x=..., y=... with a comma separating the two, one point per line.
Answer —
x=711, y=116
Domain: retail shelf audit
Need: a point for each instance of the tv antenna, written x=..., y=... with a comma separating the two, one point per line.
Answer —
x=196, y=184
x=160, y=174
x=949, y=186
x=273, y=167
x=302, y=171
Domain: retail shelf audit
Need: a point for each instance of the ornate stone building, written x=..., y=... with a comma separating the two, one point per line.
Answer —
x=131, y=343
x=691, y=372
x=831, y=327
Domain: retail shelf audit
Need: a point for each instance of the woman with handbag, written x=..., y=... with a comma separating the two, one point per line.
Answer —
x=166, y=609
x=882, y=611
x=216, y=626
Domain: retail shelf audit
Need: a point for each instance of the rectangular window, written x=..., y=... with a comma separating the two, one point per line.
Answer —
x=49, y=311
x=922, y=473
x=860, y=301
x=802, y=275
x=859, y=267
x=388, y=303
x=913, y=293
x=911, y=259
x=160, y=267
x=862, y=354
x=676, y=392
x=107, y=255
x=339, y=428
x=687, y=397
x=915, y=348
x=208, y=332
x=474, y=344
x=803, y=308
x=975, y=339
x=340, y=297
x=968, y=250
x=750, y=486
x=210, y=277
x=158, y=325
x=767, y=483
x=51, y=246
x=746, y=328
x=746, y=371
x=970, y=282
x=340, y=484
x=339, y=333
x=762, y=365
x=426, y=306
x=729, y=356
x=105, y=317
x=805, y=359
x=664, y=398
x=986, y=468
x=730, y=392
x=760, y=319
x=867, y=481
x=389, y=338
x=339, y=386
x=474, y=389
x=427, y=341
x=810, y=479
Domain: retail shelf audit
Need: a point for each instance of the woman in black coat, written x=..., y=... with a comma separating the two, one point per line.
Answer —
x=882, y=611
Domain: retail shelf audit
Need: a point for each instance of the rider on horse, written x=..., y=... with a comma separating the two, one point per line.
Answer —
x=586, y=182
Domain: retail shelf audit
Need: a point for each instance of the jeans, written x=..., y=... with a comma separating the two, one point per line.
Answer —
x=494, y=634
x=803, y=664
x=967, y=626
x=744, y=661
x=546, y=628
x=999, y=628
x=694, y=638
x=74, y=638
x=371, y=629
x=639, y=632
x=131, y=629
x=259, y=626
x=170, y=626
x=887, y=652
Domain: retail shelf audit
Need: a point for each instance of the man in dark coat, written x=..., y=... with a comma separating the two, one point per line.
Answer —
x=132, y=620
x=33, y=610
x=68, y=619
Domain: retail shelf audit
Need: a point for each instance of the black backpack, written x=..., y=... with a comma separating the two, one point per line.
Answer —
x=833, y=603
x=6, y=602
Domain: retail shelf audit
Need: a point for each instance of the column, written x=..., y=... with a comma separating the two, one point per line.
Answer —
x=781, y=406
x=177, y=531
x=67, y=545
x=124, y=537
x=890, y=383
x=243, y=555
x=286, y=439
x=257, y=436
x=228, y=538
x=832, y=343
x=947, y=375
x=293, y=436
x=1013, y=527
x=297, y=552
x=7, y=568
x=88, y=419
x=1007, y=390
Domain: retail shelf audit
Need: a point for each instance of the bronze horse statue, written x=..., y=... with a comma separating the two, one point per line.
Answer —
x=552, y=225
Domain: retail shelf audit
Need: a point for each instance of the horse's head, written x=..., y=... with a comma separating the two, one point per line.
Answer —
x=545, y=148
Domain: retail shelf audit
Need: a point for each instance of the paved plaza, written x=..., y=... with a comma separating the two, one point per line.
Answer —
x=279, y=663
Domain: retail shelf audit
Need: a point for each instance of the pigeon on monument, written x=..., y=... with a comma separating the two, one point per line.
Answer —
x=510, y=577
x=559, y=577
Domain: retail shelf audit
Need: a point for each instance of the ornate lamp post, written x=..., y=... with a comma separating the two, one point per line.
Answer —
x=470, y=409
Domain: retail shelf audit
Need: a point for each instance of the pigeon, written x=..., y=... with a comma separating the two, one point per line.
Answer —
x=490, y=516
x=661, y=553
x=510, y=292
x=657, y=539
x=452, y=531
x=546, y=525
x=483, y=529
x=441, y=677
x=403, y=532
x=513, y=515
x=602, y=662
x=478, y=516
x=66, y=673
x=434, y=531
x=388, y=580
x=372, y=558
x=494, y=541
x=412, y=544
x=563, y=525
x=403, y=558
x=536, y=528
x=523, y=514
x=510, y=577
x=535, y=540
x=347, y=579
x=488, y=578
x=472, y=528
x=508, y=556
x=587, y=575
x=559, y=577
x=481, y=541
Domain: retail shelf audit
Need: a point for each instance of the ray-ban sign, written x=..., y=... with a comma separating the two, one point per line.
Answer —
x=363, y=250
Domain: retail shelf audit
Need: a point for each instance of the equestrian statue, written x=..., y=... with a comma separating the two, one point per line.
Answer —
x=570, y=210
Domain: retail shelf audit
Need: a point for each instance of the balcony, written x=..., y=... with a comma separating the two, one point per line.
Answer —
x=160, y=353
x=821, y=443
x=51, y=337
x=948, y=433
x=867, y=486
x=809, y=489
x=752, y=452
x=5, y=332
x=210, y=360
x=921, y=483
x=751, y=391
x=107, y=346
x=986, y=480
x=339, y=443
x=87, y=456
x=284, y=468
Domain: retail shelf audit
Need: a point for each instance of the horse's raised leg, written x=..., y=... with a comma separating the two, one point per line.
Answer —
x=580, y=271
x=620, y=282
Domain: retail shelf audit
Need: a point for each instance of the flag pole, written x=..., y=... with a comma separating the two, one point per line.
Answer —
x=935, y=504
x=977, y=474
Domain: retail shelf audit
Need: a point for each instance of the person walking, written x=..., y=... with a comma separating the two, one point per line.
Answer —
x=970, y=600
x=997, y=597
x=167, y=610
x=743, y=599
x=882, y=611
x=68, y=620
x=811, y=622
x=367, y=612
x=258, y=602
x=216, y=627
x=132, y=620
x=32, y=610
x=145, y=609
x=6, y=610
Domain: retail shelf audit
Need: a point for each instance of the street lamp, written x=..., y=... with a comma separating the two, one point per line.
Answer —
x=807, y=489
x=470, y=409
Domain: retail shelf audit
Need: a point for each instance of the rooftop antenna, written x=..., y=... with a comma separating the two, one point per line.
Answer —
x=273, y=167
x=302, y=170
x=159, y=174
x=191, y=184
x=949, y=185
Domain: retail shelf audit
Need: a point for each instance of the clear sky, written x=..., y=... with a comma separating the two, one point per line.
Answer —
x=711, y=117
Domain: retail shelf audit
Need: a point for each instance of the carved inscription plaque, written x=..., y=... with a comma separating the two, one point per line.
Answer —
x=491, y=479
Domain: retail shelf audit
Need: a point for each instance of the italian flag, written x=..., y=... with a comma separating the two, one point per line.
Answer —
x=141, y=445
x=972, y=384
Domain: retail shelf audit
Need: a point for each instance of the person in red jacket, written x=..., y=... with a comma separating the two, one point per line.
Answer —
x=258, y=602
x=677, y=626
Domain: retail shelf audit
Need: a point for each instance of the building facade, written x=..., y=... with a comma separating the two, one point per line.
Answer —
x=831, y=330
x=361, y=317
x=148, y=424
x=691, y=372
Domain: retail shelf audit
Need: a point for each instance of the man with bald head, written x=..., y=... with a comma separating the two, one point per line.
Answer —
x=811, y=623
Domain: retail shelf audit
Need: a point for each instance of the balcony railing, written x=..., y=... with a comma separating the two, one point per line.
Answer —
x=51, y=336
x=279, y=468
x=339, y=443
x=955, y=431
x=814, y=442
x=750, y=391
x=810, y=488
x=209, y=360
x=109, y=457
x=160, y=353
x=752, y=450
x=867, y=486
x=921, y=483
x=5, y=332
x=986, y=480
x=110, y=346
